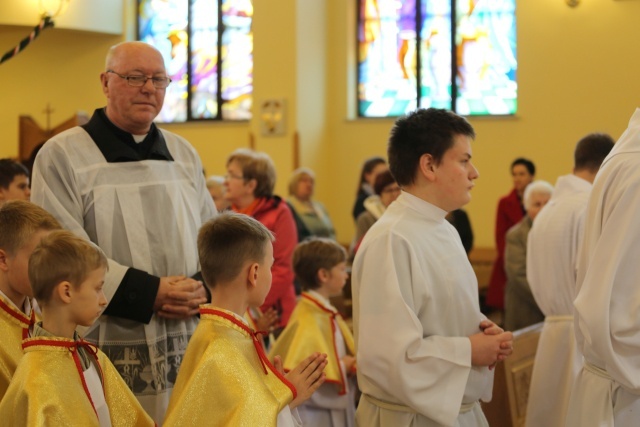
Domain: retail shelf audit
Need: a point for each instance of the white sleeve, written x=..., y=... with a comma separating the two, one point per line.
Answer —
x=427, y=373
x=288, y=418
x=54, y=188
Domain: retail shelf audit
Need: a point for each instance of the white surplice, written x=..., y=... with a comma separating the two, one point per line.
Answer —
x=143, y=214
x=415, y=304
x=607, y=306
x=551, y=272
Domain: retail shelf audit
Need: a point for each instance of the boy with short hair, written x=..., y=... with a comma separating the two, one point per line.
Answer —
x=14, y=181
x=425, y=351
x=226, y=378
x=22, y=226
x=61, y=378
x=315, y=325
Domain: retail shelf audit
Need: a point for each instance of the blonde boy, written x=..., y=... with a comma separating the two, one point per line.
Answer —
x=315, y=325
x=22, y=226
x=62, y=379
x=225, y=378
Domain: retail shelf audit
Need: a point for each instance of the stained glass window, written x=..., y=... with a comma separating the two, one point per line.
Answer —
x=207, y=46
x=417, y=53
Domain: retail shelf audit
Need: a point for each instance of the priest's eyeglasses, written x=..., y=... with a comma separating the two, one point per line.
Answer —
x=139, y=81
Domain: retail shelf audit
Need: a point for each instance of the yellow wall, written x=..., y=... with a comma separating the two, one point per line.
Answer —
x=577, y=74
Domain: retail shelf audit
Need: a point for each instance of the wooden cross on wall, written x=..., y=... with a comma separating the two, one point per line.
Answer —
x=31, y=134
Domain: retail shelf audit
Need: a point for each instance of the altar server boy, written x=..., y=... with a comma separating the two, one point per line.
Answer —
x=22, y=226
x=226, y=378
x=316, y=325
x=425, y=351
x=62, y=379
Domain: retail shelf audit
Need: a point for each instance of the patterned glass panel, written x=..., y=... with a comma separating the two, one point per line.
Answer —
x=204, y=59
x=386, y=58
x=163, y=24
x=237, y=59
x=486, y=51
x=435, y=51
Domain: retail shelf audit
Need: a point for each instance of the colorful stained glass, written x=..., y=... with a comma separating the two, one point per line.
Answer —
x=163, y=24
x=386, y=51
x=211, y=66
x=486, y=52
x=237, y=59
x=204, y=59
x=435, y=51
x=483, y=59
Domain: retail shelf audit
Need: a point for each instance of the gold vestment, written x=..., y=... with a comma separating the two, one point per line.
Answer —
x=14, y=325
x=226, y=378
x=310, y=329
x=48, y=388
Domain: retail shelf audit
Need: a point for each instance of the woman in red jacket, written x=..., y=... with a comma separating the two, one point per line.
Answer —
x=510, y=212
x=250, y=180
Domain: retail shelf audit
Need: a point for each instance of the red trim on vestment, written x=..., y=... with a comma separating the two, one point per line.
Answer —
x=264, y=360
x=73, y=348
x=333, y=315
x=19, y=316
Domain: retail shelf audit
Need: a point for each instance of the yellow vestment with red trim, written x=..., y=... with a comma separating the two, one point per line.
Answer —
x=310, y=329
x=226, y=378
x=48, y=389
x=13, y=329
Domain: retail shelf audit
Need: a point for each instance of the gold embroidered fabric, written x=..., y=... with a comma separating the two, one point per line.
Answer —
x=222, y=379
x=47, y=390
x=12, y=324
x=309, y=330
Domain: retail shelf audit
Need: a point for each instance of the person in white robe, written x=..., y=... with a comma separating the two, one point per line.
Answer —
x=551, y=272
x=423, y=359
x=607, y=325
x=139, y=193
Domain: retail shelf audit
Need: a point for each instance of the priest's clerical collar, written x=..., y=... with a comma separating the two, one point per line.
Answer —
x=118, y=146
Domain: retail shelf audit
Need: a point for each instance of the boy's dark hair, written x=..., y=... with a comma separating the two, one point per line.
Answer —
x=227, y=242
x=314, y=254
x=382, y=180
x=19, y=221
x=591, y=150
x=9, y=169
x=531, y=168
x=424, y=131
x=62, y=256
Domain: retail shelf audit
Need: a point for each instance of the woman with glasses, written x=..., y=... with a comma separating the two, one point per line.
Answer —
x=250, y=180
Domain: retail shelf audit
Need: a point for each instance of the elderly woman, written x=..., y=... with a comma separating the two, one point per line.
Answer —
x=311, y=217
x=250, y=179
x=520, y=308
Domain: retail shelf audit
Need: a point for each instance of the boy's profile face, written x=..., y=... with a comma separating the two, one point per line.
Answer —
x=88, y=300
x=18, y=189
x=336, y=279
x=17, y=265
x=264, y=274
x=455, y=175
